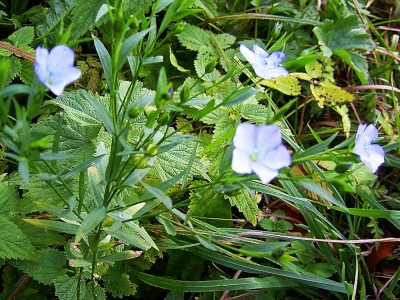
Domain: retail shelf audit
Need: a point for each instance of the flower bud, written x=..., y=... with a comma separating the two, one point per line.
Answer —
x=152, y=150
x=164, y=118
x=134, y=111
x=139, y=160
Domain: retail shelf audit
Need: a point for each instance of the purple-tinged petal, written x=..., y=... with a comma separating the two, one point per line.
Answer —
x=60, y=57
x=245, y=137
x=371, y=155
x=248, y=54
x=268, y=137
x=276, y=58
x=371, y=132
x=241, y=162
x=265, y=174
x=277, y=158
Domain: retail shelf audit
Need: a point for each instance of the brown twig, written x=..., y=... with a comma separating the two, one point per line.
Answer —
x=17, y=51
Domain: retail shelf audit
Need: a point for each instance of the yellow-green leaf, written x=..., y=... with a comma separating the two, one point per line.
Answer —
x=289, y=85
x=328, y=93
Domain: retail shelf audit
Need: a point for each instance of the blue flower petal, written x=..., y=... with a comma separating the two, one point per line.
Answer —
x=371, y=155
x=265, y=66
x=259, y=150
x=55, y=69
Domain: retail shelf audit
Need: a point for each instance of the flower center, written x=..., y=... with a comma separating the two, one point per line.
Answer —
x=367, y=144
x=253, y=156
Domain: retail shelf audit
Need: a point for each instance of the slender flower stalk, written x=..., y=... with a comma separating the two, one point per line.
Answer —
x=371, y=155
x=259, y=150
x=266, y=66
x=55, y=69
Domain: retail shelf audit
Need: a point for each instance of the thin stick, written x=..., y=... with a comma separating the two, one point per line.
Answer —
x=17, y=51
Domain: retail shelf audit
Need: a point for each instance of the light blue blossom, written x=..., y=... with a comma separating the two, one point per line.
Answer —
x=265, y=65
x=259, y=150
x=371, y=155
x=56, y=69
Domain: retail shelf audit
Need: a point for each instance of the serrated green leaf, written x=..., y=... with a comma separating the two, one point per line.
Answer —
x=246, y=205
x=14, y=69
x=83, y=16
x=67, y=288
x=51, y=20
x=118, y=283
x=225, y=40
x=27, y=73
x=77, y=107
x=289, y=85
x=49, y=266
x=346, y=33
x=193, y=37
x=9, y=198
x=170, y=164
x=13, y=242
x=22, y=36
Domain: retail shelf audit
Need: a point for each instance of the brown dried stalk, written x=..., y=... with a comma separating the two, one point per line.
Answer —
x=17, y=51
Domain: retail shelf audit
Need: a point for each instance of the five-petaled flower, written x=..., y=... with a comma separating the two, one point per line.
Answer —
x=265, y=65
x=371, y=155
x=259, y=149
x=55, y=69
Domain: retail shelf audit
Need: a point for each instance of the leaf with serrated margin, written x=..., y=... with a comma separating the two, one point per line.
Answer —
x=8, y=199
x=13, y=242
x=77, y=107
x=51, y=20
x=49, y=266
x=346, y=33
x=246, y=204
x=22, y=36
x=67, y=289
x=173, y=162
x=83, y=16
x=193, y=37
x=117, y=282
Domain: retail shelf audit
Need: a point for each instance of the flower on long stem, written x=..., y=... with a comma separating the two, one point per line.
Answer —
x=55, y=69
x=372, y=155
x=259, y=150
x=265, y=65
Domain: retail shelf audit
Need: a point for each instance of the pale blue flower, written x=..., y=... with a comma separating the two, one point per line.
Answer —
x=265, y=65
x=56, y=69
x=259, y=150
x=371, y=155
